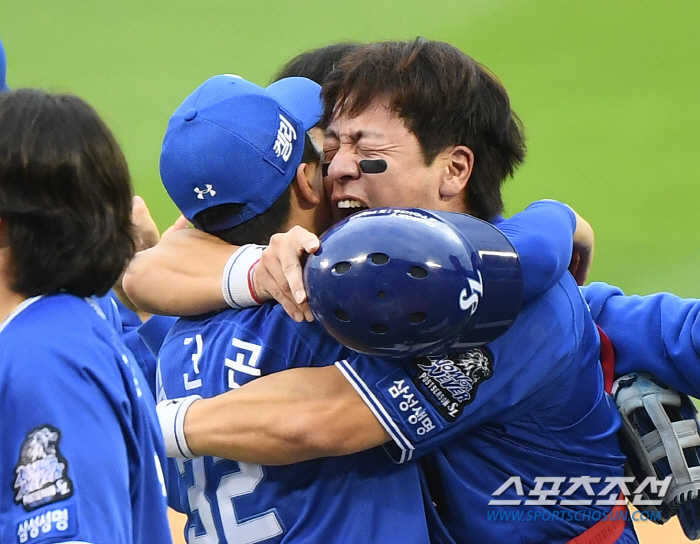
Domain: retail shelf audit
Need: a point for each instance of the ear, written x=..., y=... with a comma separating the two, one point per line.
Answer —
x=309, y=186
x=459, y=164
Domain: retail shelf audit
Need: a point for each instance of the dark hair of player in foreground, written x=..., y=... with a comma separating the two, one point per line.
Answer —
x=65, y=195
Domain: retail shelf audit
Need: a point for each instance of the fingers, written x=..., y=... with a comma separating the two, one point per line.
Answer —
x=279, y=272
x=267, y=287
x=146, y=233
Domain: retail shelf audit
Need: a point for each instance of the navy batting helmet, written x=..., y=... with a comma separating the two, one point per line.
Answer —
x=404, y=282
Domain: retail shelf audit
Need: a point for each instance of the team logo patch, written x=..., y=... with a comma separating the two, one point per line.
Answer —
x=451, y=381
x=41, y=472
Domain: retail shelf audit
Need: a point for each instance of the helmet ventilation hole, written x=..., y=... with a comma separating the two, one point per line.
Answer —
x=342, y=315
x=379, y=328
x=418, y=317
x=379, y=258
x=341, y=268
x=418, y=272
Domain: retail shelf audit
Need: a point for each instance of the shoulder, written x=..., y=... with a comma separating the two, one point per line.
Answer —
x=268, y=326
x=59, y=335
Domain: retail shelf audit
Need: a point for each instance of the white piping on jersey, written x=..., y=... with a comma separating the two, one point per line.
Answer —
x=378, y=410
x=17, y=310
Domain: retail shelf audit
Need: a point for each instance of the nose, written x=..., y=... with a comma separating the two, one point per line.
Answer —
x=344, y=167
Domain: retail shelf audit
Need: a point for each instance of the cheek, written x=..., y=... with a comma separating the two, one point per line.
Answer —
x=385, y=189
x=328, y=186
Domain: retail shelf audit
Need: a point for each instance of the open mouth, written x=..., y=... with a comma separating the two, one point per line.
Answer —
x=349, y=207
x=350, y=204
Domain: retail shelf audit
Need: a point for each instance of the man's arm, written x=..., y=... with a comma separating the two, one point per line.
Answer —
x=187, y=272
x=658, y=333
x=282, y=418
x=180, y=275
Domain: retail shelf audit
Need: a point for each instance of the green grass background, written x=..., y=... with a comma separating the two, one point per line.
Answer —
x=608, y=91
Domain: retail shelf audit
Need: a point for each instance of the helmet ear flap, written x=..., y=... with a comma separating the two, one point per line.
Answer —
x=660, y=436
x=404, y=282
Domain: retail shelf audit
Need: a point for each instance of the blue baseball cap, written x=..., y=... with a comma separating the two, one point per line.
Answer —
x=232, y=141
x=3, y=69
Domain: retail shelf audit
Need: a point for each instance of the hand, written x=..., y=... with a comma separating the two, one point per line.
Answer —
x=582, y=256
x=278, y=275
x=145, y=230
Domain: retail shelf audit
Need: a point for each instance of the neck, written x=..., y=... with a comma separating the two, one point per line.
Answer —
x=9, y=300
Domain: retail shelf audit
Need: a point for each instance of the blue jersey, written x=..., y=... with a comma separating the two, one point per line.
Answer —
x=129, y=324
x=207, y=346
x=657, y=333
x=363, y=497
x=81, y=451
x=542, y=236
x=514, y=426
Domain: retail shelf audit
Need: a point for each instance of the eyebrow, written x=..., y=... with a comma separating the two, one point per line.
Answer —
x=355, y=136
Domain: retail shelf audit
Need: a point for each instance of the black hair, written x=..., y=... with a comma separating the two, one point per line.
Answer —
x=65, y=195
x=445, y=98
x=316, y=64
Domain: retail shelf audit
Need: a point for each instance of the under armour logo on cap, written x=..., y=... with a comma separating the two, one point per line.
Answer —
x=207, y=191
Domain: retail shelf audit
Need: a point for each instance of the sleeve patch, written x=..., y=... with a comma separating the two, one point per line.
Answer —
x=408, y=404
x=450, y=382
x=41, y=472
x=50, y=524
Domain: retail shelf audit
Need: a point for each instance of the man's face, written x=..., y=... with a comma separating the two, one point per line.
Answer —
x=377, y=133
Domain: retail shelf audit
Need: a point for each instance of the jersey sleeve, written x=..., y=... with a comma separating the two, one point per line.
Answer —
x=657, y=333
x=154, y=330
x=426, y=402
x=63, y=447
x=542, y=235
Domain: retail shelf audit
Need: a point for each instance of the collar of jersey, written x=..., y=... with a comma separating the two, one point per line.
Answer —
x=19, y=309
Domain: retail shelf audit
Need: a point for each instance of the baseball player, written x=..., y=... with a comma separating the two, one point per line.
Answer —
x=538, y=392
x=81, y=454
x=240, y=161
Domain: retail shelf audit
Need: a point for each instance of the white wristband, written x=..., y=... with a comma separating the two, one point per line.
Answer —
x=236, y=283
x=171, y=414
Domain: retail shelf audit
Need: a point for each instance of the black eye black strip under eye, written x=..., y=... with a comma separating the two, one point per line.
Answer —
x=376, y=166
